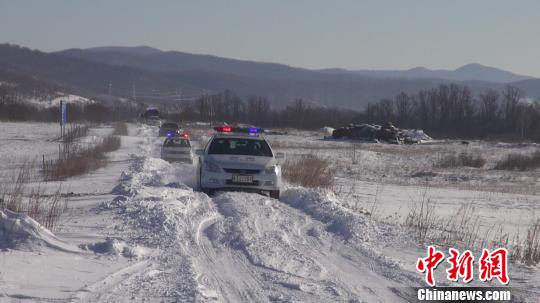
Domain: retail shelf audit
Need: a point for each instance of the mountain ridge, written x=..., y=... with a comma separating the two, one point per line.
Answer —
x=470, y=71
x=144, y=71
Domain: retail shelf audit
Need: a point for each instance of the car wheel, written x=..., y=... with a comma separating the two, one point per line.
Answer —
x=274, y=194
x=199, y=187
x=208, y=191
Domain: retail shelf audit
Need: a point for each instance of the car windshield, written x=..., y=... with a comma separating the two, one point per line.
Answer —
x=177, y=142
x=239, y=146
x=151, y=113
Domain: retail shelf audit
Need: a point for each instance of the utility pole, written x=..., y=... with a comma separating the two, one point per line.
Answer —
x=134, y=93
x=110, y=88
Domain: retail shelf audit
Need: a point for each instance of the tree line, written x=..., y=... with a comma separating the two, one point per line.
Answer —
x=257, y=110
x=452, y=110
x=14, y=107
x=447, y=111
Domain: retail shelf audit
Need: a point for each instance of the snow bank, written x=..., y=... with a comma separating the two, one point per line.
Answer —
x=324, y=206
x=364, y=234
x=19, y=231
x=415, y=135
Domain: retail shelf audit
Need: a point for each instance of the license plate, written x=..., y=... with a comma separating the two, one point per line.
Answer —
x=242, y=179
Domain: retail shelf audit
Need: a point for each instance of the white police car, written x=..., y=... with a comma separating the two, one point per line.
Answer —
x=177, y=148
x=239, y=158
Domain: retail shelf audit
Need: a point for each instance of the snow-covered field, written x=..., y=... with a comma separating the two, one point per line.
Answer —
x=389, y=178
x=137, y=231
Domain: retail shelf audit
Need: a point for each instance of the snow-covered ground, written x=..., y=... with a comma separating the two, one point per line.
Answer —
x=392, y=178
x=137, y=231
x=56, y=99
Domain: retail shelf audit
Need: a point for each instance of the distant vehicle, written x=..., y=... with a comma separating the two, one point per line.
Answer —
x=154, y=121
x=167, y=128
x=239, y=159
x=177, y=148
x=151, y=117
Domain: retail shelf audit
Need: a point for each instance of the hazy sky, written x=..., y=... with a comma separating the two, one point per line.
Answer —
x=355, y=34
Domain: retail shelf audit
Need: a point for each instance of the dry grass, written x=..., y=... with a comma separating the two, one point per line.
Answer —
x=520, y=162
x=75, y=132
x=120, y=129
x=74, y=161
x=527, y=249
x=310, y=171
x=108, y=144
x=462, y=159
x=463, y=230
x=422, y=219
x=18, y=196
x=12, y=190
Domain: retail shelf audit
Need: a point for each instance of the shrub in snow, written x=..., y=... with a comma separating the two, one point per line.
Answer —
x=310, y=171
x=462, y=159
x=520, y=162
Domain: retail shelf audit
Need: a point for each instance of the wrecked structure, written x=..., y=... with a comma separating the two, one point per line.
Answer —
x=376, y=133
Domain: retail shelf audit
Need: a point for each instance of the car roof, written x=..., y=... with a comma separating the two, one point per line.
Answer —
x=179, y=137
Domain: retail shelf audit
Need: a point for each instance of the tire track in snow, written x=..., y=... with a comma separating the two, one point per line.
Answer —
x=290, y=256
x=239, y=247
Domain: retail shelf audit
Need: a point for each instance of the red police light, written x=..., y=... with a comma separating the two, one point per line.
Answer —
x=224, y=129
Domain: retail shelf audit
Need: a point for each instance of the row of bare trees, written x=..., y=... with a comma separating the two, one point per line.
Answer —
x=452, y=110
x=446, y=110
x=257, y=110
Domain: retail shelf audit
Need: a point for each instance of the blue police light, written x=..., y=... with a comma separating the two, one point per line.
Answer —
x=229, y=129
x=170, y=135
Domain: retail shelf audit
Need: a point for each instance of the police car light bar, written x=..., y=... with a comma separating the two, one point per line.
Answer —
x=228, y=129
x=223, y=129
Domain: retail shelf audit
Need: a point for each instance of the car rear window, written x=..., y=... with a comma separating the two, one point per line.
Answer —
x=239, y=146
x=169, y=125
x=177, y=142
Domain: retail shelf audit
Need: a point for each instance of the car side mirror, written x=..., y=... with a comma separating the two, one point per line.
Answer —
x=280, y=156
x=199, y=152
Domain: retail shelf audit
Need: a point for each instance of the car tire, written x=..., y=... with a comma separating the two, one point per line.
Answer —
x=208, y=191
x=199, y=185
x=274, y=194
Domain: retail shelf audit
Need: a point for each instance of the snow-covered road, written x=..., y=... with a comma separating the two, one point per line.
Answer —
x=240, y=247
